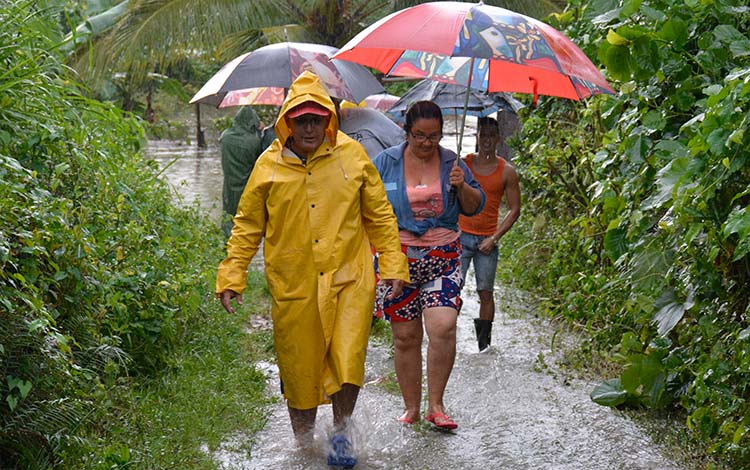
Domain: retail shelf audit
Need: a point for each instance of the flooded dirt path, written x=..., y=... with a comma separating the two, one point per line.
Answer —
x=514, y=409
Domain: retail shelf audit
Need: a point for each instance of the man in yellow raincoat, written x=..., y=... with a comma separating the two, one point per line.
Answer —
x=318, y=202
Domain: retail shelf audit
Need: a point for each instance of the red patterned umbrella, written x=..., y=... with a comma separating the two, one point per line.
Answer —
x=489, y=48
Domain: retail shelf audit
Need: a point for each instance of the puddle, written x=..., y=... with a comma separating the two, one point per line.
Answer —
x=511, y=415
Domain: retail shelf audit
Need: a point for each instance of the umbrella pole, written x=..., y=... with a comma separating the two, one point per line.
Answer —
x=466, y=108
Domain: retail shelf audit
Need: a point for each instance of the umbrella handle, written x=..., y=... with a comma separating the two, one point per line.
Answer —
x=466, y=108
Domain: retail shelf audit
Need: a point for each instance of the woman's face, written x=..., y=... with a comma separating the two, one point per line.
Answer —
x=424, y=137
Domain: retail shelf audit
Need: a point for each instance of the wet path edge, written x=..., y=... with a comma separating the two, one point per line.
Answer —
x=512, y=413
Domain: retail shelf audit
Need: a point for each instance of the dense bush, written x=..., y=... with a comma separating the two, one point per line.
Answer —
x=99, y=272
x=641, y=203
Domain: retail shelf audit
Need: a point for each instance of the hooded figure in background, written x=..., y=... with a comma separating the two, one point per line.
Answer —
x=318, y=203
x=240, y=148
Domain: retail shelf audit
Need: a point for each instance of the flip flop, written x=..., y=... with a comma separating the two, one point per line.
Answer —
x=441, y=421
x=403, y=419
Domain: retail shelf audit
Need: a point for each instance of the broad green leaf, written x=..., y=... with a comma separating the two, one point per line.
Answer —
x=739, y=44
x=630, y=7
x=609, y=393
x=654, y=384
x=672, y=148
x=631, y=375
x=654, y=120
x=24, y=386
x=615, y=243
x=670, y=311
x=717, y=140
x=739, y=222
x=667, y=182
x=674, y=30
x=630, y=343
x=12, y=401
x=615, y=39
x=736, y=137
x=617, y=61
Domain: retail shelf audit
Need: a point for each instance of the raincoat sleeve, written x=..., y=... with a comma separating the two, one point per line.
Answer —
x=249, y=226
x=382, y=227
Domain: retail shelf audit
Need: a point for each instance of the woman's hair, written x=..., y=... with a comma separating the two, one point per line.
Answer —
x=422, y=110
x=488, y=123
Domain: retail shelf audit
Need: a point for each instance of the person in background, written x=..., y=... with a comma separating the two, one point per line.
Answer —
x=428, y=187
x=317, y=202
x=480, y=234
x=240, y=148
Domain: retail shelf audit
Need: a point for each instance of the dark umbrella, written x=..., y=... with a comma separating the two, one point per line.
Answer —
x=452, y=98
x=261, y=76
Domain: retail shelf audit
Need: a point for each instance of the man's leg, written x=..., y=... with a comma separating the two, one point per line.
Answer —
x=341, y=453
x=468, y=248
x=486, y=305
x=303, y=425
x=343, y=405
x=485, y=266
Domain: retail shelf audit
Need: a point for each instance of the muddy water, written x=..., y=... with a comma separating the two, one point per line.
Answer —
x=193, y=173
x=512, y=409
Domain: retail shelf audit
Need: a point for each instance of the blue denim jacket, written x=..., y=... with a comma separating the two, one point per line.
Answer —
x=390, y=164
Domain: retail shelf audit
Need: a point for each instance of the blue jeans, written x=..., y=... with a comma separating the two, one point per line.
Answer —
x=485, y=265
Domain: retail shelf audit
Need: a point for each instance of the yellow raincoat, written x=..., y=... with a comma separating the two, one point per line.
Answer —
x=318, y=220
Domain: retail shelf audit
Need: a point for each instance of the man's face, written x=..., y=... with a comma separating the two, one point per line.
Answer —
x=488, y=138
x=308, y=132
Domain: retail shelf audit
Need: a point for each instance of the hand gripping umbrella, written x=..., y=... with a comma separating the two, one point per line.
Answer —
x=263, y=75
x=479, y=46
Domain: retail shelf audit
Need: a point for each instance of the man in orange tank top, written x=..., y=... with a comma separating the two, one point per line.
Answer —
x=481, y=233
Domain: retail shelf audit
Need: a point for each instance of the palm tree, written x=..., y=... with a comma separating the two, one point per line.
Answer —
x=155, y=34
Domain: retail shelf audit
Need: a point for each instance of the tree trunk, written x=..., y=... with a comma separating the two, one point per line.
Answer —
x=200, y=135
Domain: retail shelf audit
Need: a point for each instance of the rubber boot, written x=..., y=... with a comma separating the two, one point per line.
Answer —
x=483, y=329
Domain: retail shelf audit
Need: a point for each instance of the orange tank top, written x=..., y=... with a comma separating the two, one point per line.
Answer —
x=485, y=223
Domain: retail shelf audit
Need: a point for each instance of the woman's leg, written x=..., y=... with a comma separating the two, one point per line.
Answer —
x=440, y=323
x=407, y=358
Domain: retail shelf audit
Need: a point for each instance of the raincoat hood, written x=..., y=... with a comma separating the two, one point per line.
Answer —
x=306, y=87
x=246, y=120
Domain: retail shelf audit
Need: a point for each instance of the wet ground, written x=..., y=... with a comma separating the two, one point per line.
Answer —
x=514, y=410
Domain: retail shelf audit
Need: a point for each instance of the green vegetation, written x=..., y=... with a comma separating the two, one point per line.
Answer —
x=636, y=231
x=106, y=300
x=638, y=224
